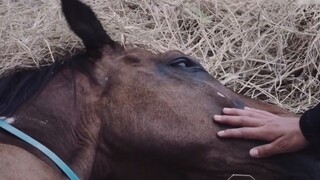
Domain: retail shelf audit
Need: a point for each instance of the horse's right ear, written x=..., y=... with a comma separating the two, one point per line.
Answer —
x=84, y=23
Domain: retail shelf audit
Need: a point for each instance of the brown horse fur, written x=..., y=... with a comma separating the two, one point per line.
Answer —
x=112, y=113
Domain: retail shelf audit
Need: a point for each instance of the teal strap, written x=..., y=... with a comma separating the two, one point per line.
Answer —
x=65, y=168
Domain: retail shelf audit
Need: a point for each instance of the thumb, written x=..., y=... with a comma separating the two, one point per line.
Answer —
x=267, y=150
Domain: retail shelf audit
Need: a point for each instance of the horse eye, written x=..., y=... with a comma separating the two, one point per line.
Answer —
x=183, y=63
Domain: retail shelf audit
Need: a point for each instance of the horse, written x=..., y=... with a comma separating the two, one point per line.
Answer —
x=112, y=112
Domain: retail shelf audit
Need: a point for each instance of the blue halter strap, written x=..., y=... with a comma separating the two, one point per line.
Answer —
x=16, y=132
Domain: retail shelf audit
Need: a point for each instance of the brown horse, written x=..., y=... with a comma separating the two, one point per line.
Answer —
x=113, y=113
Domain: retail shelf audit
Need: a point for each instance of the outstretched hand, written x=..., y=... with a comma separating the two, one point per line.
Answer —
x=283, y=133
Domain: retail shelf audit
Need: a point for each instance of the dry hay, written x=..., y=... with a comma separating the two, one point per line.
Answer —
x=264, y=49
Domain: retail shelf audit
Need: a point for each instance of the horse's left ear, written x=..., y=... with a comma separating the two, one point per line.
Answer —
x=84, y=23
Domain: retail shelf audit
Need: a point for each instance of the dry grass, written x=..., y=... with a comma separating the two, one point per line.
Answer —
x=269, y=50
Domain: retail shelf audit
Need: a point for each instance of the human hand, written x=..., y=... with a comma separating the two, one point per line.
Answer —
x=283, y=133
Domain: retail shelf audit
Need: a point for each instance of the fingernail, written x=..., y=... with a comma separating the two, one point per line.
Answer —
x=226, y=109
x=247, y=107
x=220, y=133
x=217, y=117
x=254, y=153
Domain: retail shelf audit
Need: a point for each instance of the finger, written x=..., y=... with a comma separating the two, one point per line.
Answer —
x=244, y=133
x=233, y=111
x=261, y=112
x=242, y=112
x=276, y=147
x=238, y=120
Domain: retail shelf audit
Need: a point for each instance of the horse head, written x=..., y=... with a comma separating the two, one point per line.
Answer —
x=113, y=112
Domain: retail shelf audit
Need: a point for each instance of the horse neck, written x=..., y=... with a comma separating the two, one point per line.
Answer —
x=60, y=117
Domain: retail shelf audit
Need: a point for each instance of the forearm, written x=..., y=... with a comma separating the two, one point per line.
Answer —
x=310, y=125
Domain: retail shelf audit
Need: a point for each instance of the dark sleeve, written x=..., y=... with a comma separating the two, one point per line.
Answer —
x=310, y=126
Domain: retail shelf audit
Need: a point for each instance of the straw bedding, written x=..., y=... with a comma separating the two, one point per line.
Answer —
x=265, y=49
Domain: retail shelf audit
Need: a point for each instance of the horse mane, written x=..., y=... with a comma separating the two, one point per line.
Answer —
x=16, y=88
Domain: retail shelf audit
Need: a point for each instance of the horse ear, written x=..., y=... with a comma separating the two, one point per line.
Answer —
x=84, y=23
